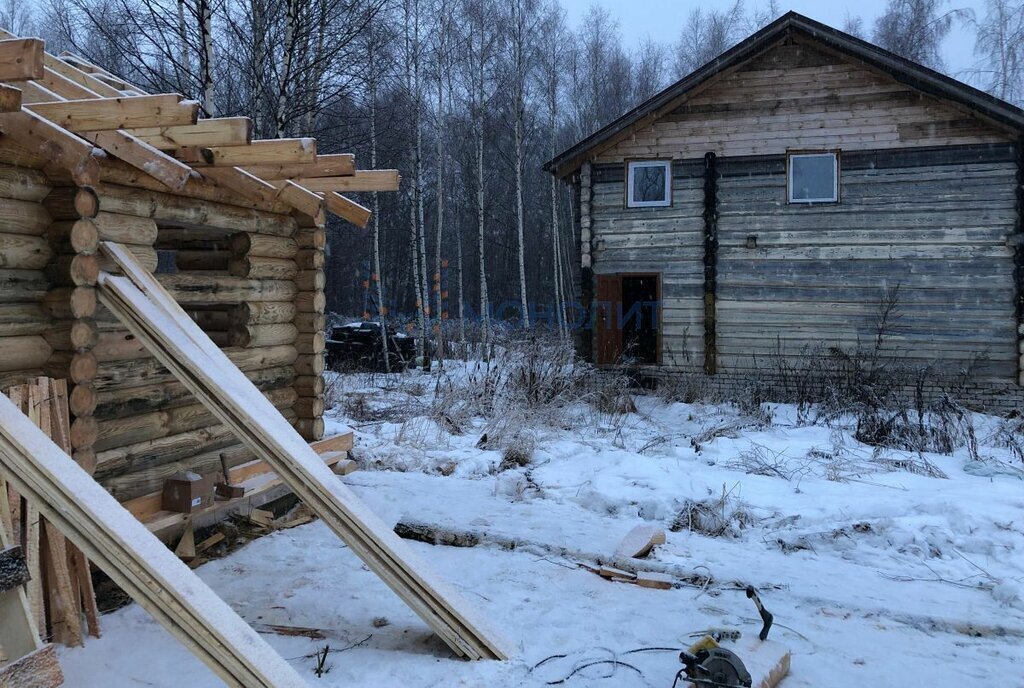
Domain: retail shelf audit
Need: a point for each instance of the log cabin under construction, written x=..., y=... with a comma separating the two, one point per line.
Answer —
x=770, y=203
x=233, y=228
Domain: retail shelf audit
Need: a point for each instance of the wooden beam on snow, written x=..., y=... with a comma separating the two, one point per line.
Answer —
x=256, y=153
x=103, y=114
x=206, y=133
x=362, y=180
x=347, y=209
x=21, y=59
x=335, y=165
x=115, y=541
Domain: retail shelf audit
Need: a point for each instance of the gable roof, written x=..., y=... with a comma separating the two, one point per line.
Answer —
x=910, y=73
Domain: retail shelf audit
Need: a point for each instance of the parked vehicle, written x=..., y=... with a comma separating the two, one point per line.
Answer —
x=357, y=346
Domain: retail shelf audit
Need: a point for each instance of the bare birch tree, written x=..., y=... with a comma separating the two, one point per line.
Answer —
x=706, y=35
x=915, y=29
x=1000, y=44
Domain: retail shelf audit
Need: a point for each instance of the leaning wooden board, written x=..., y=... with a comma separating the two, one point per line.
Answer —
x=139, y=563
x=153, y=316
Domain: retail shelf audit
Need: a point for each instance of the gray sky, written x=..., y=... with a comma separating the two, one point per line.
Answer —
x=663, y=19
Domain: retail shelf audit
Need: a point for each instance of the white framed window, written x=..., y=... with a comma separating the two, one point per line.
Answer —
x=649, y=184
x=813, y=177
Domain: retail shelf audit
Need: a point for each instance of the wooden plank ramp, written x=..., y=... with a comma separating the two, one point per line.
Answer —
x=140, y=564
x=153, y=316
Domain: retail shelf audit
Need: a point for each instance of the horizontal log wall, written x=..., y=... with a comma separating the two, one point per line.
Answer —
x=669, y=241
x=798, y=96
x=932, y=229
x=25, y=253
x=133, y=420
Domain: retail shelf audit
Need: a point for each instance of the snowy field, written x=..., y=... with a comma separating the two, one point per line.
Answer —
x=879, y=571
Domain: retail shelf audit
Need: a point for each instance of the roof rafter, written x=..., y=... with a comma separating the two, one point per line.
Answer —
x=362, y=180
x=102, y=114
x=332, y=165
x=21, y=59
x=205, y=133
x=257, y=153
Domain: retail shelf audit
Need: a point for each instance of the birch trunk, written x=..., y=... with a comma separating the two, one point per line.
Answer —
x=462, y=302
x=258, y=65
x=439, y=306
x=287, y=60
x=206, y=33
x=183, y=66
x=485, y=306
x=319, y=65
x=377, y=275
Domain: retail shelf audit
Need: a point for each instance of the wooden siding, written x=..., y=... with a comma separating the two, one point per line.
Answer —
x=819, y=273
x=668, y=241
x=799, y=96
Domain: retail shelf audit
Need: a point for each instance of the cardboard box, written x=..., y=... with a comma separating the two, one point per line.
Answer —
x=187, y=492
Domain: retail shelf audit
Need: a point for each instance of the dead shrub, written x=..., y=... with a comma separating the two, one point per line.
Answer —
x=722, y=516
x=518, y=452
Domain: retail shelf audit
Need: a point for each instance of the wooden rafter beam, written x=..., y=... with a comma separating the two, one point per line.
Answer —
x=347, y=209
x=170, y=172
x=104, y=114
x=10, y=98
x=302, y=199
x=21, y=59
x=223, y=131
x=94, y=72
x=241, y=183
x=62, y=147
x=335, y=165
x=362, y=180
x=271, y=151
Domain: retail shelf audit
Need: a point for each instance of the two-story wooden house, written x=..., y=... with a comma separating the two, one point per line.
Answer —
x=777, y=198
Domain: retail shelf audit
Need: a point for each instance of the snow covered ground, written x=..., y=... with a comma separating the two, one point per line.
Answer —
x=877, y=575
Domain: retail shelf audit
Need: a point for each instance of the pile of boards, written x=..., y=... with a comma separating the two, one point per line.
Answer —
x=60, y=591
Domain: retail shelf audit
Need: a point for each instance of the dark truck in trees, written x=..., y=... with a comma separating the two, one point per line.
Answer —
x=357, y=346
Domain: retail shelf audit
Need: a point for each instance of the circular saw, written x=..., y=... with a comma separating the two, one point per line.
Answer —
x=715, y=667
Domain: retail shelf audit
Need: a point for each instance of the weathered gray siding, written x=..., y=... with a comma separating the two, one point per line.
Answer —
x=931, y=222
x=668, y=241
x=820, y=273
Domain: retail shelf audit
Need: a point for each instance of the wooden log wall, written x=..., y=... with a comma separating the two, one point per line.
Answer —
x=800, y=96
x=934, y=223
x=249, y=278
x=669, y=241
x=309, y=323
x=24, y=254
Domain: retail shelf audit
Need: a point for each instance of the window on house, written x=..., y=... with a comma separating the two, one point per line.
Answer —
x=649, y=184
x=813, y=178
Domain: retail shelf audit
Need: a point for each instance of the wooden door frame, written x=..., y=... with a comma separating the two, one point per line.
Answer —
x=659, y=325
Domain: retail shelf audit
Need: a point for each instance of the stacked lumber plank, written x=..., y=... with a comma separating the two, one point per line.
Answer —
x=59, y=588
x=153, y=315
x=139, y=563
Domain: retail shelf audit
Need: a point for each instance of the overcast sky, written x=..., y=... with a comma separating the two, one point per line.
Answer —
x=663, y=19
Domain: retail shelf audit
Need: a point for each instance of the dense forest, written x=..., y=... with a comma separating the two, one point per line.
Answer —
x=467, y=98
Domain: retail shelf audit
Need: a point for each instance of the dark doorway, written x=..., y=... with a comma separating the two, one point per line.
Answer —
x=640, y=306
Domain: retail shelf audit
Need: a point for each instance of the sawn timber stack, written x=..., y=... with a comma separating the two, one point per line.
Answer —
x=153, y=316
